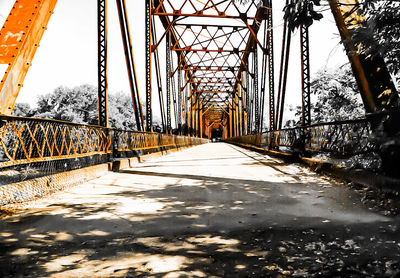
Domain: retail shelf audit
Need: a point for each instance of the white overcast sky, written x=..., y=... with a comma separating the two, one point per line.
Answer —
x=68, y=51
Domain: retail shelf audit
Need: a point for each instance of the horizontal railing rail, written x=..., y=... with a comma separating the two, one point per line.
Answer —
x=31, y=147
x=134, y=141
x=344, y=138
x=25, y=140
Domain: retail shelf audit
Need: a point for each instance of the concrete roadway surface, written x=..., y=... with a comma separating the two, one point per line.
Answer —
x=214, y=210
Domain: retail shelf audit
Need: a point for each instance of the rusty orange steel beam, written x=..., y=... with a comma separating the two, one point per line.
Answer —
x=374, y=81
x=199, y=49
x=341, y=15
x=220, y=50
x=198, y=15
x=19, y=40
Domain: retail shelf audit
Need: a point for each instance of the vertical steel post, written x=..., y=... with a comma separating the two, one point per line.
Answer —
x=264, y=68
x=192, y=110
x=173, y=87
x=102, y=62
x=159, y=80
x=168, y=81
x=201, y=120
x=230, y=122
x=271, y=77
x=239, y=109
x=284, y=80
x=185, y=105
x=179, y=95
x=244, y=100
x=235, y=119
x=281, y=69
x=189, y=102
x=305, y=76
x=256, y=96
x=198, y=116
x=195, y=115
x=130, y=62
x=149, y=114
x=248, y=103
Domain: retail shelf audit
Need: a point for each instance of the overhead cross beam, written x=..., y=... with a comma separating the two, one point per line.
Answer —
x=214, y=54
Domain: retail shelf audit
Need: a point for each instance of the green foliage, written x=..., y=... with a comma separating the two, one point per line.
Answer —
x=23, y=110
x=301, y=12
x=397, y=81
x=334, y=97
x=380, y=32
x=69, y=104
x=79, y=105
x=121, y=113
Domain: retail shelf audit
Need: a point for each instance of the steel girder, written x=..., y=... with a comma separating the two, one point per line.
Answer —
x=168, y=80
x=271, y=66
x=305, y=76
x=102, y=62
x=211, y=42
x=19, y=39
x=130, y=63
x=149, y=113
x=376, y=86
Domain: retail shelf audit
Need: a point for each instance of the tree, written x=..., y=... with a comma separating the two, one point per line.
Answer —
x=335, y=96
x=79, y=105
x=301, y=12
x=121, y=112
x=23, y=110
x=378, y=33
x=76, y=104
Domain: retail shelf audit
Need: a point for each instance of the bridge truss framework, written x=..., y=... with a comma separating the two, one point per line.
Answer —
x=218, y=59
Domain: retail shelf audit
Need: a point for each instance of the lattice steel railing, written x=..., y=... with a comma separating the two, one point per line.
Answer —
x=135, y=141
x=342, y=138
x=26, y=140
x=37, y=147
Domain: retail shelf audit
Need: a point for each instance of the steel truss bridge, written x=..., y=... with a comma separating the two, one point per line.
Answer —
x=219, y=75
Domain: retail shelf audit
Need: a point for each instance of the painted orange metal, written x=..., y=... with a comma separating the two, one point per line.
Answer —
x=341, y=16
x=19, y=40
x=39, y=141
x=214, y=52
x=351, y=16
x=26, y=140
x=374, y=81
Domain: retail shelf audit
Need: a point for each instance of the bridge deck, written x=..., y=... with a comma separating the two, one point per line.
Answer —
x=212, y=210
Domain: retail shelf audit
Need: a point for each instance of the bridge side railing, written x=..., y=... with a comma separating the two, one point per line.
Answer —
x=341, y=138
x=31, y=148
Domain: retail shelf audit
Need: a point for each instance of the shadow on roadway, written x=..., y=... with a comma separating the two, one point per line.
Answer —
x=196, y=232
